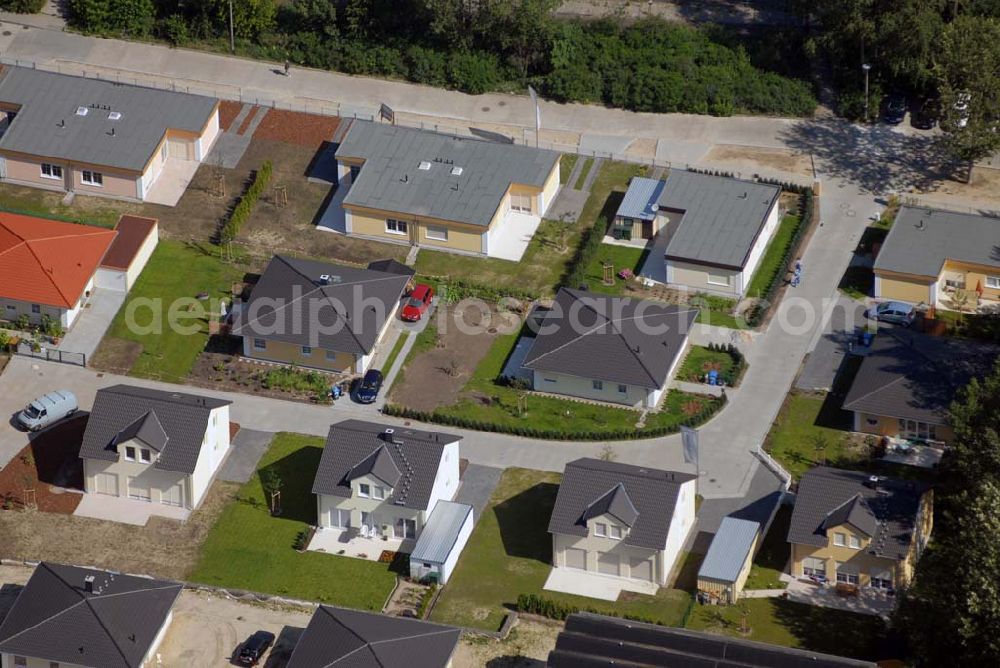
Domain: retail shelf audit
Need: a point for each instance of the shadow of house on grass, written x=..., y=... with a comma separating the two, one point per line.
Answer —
x=832, y=631
x=292, y=476
x=56, y=452
x=524, y=522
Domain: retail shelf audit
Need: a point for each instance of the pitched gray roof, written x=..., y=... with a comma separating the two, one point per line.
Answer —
x=610, y=338
x=641, y=199
x=391, y=266
x=921, y=239
x=855, y=511
x=722, y=217
x=379, y=464
x=652, y=492
x=391, y=180
x=338, y=638
x=915, y=376
x=54, y=619
x=440, y=534
x=729, y=549
x=415, y=454
x=48, y=124
x=825, y=496
x=615, y=503
x=182, y=417
x=148, y=429
x=595, y=641
x=290, y=303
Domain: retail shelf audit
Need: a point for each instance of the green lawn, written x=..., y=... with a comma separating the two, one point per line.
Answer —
x=782, y=622
x=774, y=552
x=48, y=204
x=553, y=413
x=771, y=264
x=566, y=164
x=394, y=353
x=700, y=360
x=621, y=257
x=250, y=549
x=510, y=553
x=588, y=164
x=176, y=270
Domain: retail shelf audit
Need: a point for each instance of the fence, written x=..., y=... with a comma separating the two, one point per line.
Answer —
x=771, y=463
x=50, y=355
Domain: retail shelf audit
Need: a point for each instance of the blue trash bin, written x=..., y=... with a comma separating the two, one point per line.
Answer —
x=866, y=339
x=713, y=377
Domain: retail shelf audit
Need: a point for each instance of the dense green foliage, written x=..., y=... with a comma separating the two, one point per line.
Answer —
x=948, y=620
x=22, y=6
x=475, y=47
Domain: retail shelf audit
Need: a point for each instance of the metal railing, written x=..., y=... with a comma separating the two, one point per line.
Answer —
x=771, y=463
x=51, y=354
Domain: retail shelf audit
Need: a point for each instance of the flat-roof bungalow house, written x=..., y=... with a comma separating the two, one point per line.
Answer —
x=852, y=528
x=711, y=230
x=604, y=348
x=619, y=520
x=905, y=385
x=96, y=137
x=85, y=618
x=929, y=254
x=155, y=447
x=443, y=192
x=319, y=315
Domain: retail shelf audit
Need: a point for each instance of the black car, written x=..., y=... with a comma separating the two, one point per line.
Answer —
x=895, y=110
x=369, y=386
x=924, y=115
x=254, y=648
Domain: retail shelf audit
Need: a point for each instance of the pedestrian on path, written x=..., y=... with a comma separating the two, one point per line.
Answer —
x=797, y=275
x=288, y=68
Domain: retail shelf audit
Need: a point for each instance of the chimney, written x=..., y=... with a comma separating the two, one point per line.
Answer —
x=324, y=279
x=88, y=584
x=873, y=482
x=920, y=225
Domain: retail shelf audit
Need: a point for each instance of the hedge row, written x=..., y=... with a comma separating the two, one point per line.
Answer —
x=756, y=314
x=788, y=186
x=590, y=246
x=231, y=229
x=461, y=422
x=453, y=291
x=733, y=377
x=533, y=604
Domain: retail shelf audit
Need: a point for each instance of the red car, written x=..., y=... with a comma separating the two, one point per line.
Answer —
x=417, y=303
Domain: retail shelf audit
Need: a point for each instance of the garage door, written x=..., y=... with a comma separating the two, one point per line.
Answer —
x=641, y=569
x=181, y=148
x=173, y=496
x=576, y=558
x=608, y=564
x=138, y=490
x=106, y=483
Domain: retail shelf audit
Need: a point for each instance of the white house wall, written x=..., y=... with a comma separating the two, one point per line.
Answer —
x=447, y=478
x=681, y=525
x=448, y=567
x=142, y=257
x=156, y=479
x=213, y=451
x=7, y=661
x=763, y=239
x=576, y=386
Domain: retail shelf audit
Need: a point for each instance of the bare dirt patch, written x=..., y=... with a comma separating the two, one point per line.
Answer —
x=436, y=377
x=50, y=465
x=643, y=147
x=229, y=372
x=748, y=158
x=162, y=548
x=295, y=127
x=228, y=111
x=115, y=353
x=405, y=601
x=527, y=646
x=983, y=186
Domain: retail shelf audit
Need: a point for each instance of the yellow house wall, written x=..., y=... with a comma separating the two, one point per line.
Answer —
x=372, y=224
x=889, y=426
x=974, y=275
x=915, y=289
x=289, y=353
x=596, y=545
x=865, y=563
x=695, y=277
x=550, y=187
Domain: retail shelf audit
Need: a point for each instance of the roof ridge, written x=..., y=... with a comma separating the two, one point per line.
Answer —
x=48, y=568
x=100, y=619
x=45, y=270
x=629, y=471
x=436, y=632
x=894, y=381
x=365, y=644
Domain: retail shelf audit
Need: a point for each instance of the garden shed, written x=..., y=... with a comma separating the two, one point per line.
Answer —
x=725, y=568
x=442, y=541
x=131, y=249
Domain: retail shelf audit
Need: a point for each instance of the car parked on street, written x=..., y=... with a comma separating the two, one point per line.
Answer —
x=369, y=387
x=417, y=303
x=895, y=110
x=47, y=410
x=253, y=648
x=897, y=313
x=924, y=114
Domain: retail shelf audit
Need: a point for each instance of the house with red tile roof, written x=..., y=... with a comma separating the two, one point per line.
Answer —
x=47, y=267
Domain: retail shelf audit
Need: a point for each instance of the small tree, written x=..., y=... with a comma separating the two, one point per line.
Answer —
x=271, y=481
x=820, y=444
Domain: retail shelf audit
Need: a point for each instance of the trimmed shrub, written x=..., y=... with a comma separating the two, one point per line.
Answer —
x=241, y=212
x=22, y=6
x=533, y=604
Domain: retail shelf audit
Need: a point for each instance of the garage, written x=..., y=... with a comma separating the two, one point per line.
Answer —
x=178, y=147
x=608, y=564
x=441, y=542
x=127, y=256
x=641, y=569
x=138, y=490
x=576, y=558
x=173, y=496
x=106, y=483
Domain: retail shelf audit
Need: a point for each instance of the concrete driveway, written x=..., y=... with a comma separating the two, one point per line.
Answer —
x=172, y=181
x=125, y=510
x=93, y=322
x=478, y=483
x=595, y=585
x=246, y=450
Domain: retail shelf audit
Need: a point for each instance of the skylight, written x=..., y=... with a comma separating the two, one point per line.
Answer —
x=81, y=111
x=424, y=165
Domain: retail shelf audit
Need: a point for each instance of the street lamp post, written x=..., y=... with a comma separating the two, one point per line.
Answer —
x=866, y=67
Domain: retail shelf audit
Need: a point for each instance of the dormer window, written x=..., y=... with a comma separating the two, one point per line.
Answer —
x=854, y=542
x=600, y=529
x=129, y=453
x=378, y=492
x=145, y=455
x=615, y=532
x=364, y=490
x=839, y=539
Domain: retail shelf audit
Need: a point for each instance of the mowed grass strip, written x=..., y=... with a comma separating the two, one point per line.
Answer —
x=770, y=268
x=250, y=549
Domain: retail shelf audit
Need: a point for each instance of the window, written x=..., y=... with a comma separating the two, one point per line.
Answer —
x=720, y=279
x=600, y=529
x=129, y=453
x=437, y=233
x=145, y=456
x=916, y=430
x=854, y=542
x=550, y=380
x=993, y=282
x=20, y=661
x=51, y=171
x=881, y=580
x=330, y=355
x=813, y=567
x=163, y=151
x=259, y=344
x=340, y=518
x=598, y=385
x=520, y=203
x=364, y=490
x=306, y=351
x=615, y=531
x=35, y=308
x=378, y=492
x=846, y=574
x=406, y=528
x=839, y=539
x=53, y=664
x=622, y=389
x=393, y=226
x=92, y=178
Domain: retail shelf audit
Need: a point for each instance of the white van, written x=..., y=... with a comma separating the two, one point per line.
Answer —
x=47, y=409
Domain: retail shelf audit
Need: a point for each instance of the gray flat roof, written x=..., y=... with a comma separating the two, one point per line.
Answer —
x=391, y=178
x=48, y=124
x=729, y=549
x=922, y=239
x=441, y=532
x=641, y=199
x=722, y=217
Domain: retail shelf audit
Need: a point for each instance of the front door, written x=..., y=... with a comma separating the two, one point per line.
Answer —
x=106, y=483
x=647, y=229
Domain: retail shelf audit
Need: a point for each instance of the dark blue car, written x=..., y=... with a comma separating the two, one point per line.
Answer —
x=895, y=110
x=369, y=386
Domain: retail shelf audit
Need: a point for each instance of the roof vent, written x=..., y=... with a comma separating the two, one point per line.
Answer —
x=81, y=111
x=920, y=225
x=456, y=171
x=88, y=584
x=115, y=116
x=424, y=165
x=324, y=279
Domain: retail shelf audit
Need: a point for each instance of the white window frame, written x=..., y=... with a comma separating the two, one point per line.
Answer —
x=378, y=492
x=331, y=355
x=364, y=490
x=993, y=282
x=53, y=169
x=517, y=201
x=336, y=518
x=916, y=429
x=96, y=178
x=719, y=279
x=145, y=455
x=259, y=344
x=600, y=529
x=306, y=351
x=808, y=570
x=881, y=580
x=128, y=457
x=394, y=226
x=436, y=232
x=597, y=384
x=840, y=539
x=854, y=542
x=399, y=528
x=846, y=575
x=614, y=532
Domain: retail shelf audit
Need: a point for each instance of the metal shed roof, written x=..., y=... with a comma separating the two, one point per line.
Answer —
x=641, y=199
x=729, y=549
x=441, y=532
